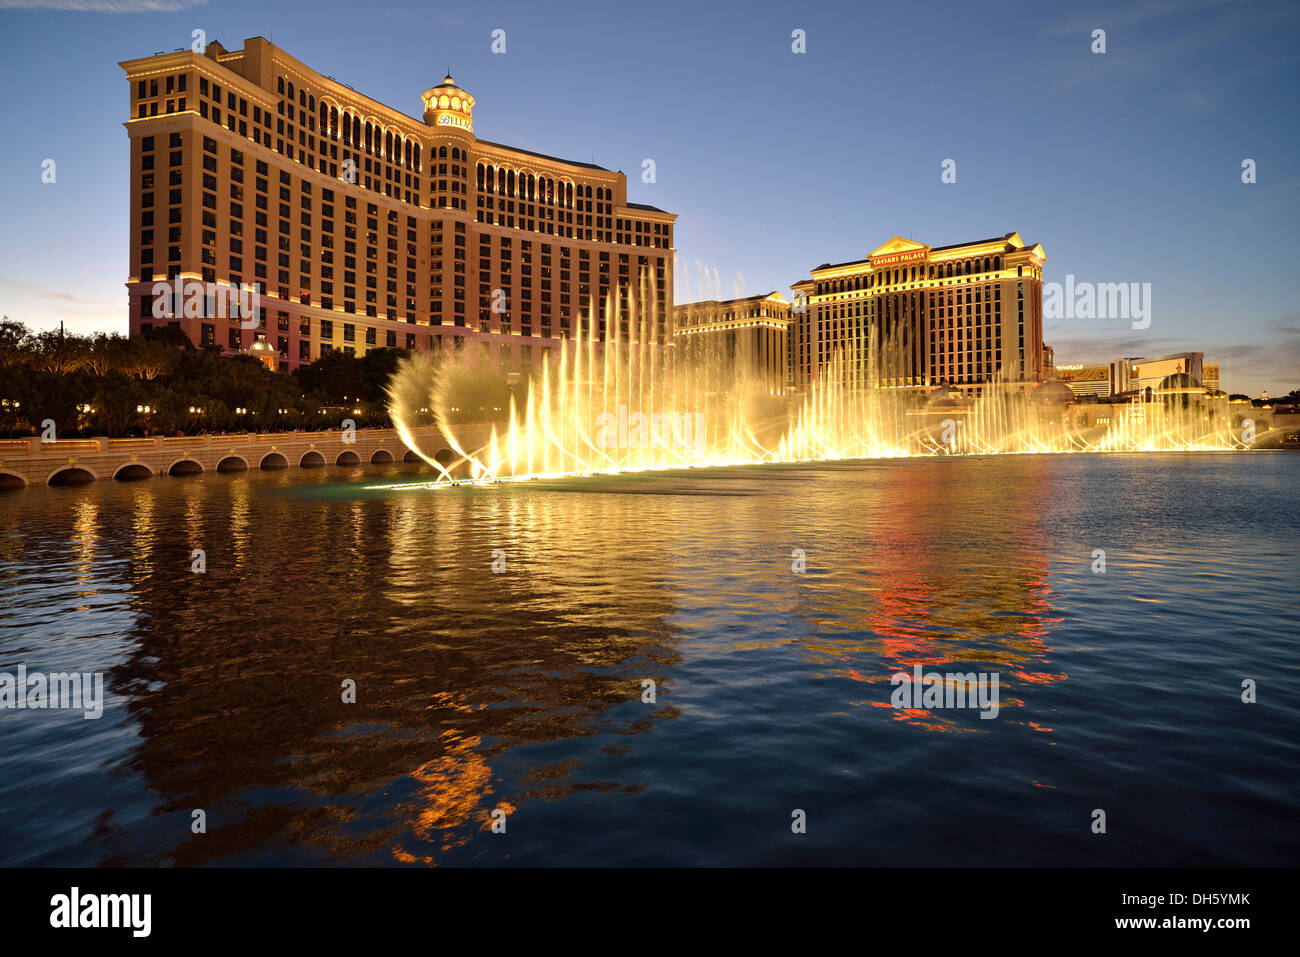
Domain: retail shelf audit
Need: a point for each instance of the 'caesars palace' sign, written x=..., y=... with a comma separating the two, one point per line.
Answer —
x=450, y=119
x=891, y=259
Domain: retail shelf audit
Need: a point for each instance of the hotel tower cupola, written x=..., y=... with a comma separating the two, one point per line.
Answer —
x=449, y=107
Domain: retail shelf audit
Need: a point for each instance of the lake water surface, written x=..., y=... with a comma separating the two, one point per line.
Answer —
x=523, y=691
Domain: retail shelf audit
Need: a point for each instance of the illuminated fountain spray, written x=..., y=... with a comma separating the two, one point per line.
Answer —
x=627, y=404
x=632, y=404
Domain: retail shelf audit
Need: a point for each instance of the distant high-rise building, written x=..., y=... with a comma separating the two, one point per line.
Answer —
x=363, y=227
x=1176, y=370
x=912, y=315
x=735, y=341
x=1085, y=379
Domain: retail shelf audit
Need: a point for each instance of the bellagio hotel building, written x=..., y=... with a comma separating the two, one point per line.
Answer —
x=364, y=228
x=911, y=315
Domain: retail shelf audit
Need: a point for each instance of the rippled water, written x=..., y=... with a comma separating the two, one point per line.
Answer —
x=523, y=690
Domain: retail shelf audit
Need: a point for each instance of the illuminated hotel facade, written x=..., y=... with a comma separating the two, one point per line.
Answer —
x=1160, y=372
x=1130, y=374
x=364, y=228
x=1085, y=379
x=738, y=341
x=912, y=315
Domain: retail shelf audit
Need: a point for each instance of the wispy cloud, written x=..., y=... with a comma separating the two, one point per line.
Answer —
x=1129, y=16
x=1271, y=362
x=104, y=6
x=40, y=307
x=35, y=290
x=1278, y=348
x=1103, y=348
x=402, y=13
x=1165, y=41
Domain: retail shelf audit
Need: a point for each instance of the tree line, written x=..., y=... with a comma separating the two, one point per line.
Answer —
x=158, y=383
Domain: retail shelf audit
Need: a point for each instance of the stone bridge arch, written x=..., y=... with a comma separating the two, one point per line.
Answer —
x=132, y=472
x=185, y=466
x=71, y=474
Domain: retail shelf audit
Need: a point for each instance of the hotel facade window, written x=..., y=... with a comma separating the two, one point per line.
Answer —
x=347, y=210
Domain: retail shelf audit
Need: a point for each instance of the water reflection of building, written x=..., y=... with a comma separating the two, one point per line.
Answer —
x=453, y=664
x=962, y=314
x=744, y=339
x=955, y=572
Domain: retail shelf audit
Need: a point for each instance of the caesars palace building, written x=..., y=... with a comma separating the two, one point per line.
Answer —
x=911, y=315
x=364, y=228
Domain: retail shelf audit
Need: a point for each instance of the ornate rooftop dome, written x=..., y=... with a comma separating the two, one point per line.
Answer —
x=448, y=106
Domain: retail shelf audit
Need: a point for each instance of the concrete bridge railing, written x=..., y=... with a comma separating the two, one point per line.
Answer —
x=29, y=461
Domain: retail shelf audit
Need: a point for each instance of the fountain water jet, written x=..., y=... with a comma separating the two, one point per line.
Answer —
x=633, y=404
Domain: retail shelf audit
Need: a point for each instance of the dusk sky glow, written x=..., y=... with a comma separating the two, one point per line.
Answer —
x=1125, y=166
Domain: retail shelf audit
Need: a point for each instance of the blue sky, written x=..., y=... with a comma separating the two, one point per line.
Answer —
x=1125, y=165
